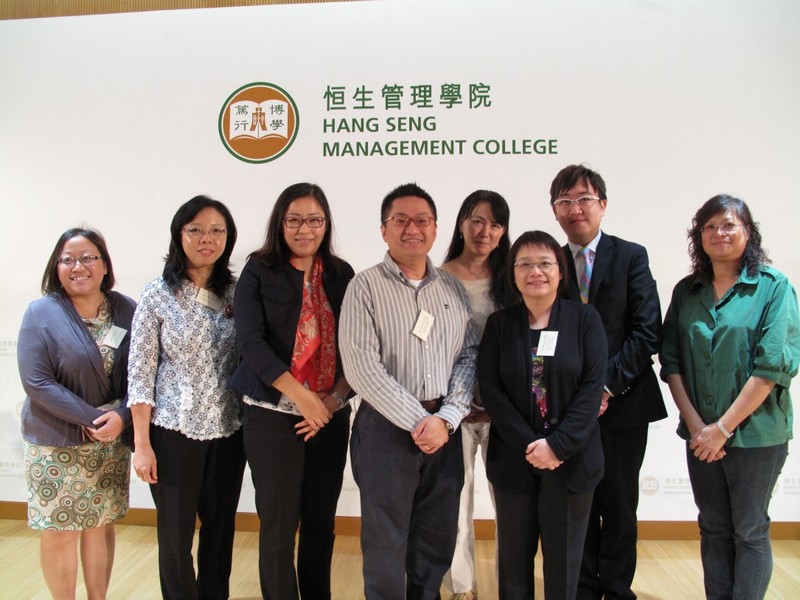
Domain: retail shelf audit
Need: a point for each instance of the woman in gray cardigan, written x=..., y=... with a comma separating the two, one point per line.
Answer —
x=73, y=361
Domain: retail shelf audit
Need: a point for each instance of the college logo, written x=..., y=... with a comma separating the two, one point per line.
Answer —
x=258, y=122
x=649, y=486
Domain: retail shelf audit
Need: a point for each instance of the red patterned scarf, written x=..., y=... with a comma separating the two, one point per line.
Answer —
x=314, y=356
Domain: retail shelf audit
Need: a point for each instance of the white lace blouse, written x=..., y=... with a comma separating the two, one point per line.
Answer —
x=182, y=354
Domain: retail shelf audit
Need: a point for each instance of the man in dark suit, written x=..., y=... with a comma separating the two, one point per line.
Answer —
x=614, y=276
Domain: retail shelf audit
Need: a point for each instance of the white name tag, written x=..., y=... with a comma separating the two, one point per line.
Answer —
x=209, y=299
x=547, y=343
x=114, y=337
x=423, y=325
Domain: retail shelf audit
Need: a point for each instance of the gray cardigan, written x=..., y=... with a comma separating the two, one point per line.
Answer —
x=62, y=370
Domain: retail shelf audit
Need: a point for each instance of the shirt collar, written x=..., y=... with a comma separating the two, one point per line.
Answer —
x=431, y=272
x=575, y=248
x=744, y=277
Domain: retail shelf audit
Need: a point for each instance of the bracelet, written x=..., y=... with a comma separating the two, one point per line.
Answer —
x=340, y=400
x=724, y=431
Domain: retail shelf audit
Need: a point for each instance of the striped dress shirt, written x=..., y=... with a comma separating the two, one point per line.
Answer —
x=389, y=366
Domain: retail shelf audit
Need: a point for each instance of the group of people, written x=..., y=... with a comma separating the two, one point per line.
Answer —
x=538, y=354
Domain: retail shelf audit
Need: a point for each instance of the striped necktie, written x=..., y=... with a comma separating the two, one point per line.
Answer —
x=584, y=258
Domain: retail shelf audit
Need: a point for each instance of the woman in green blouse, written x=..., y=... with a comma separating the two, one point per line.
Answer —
x=731, y=348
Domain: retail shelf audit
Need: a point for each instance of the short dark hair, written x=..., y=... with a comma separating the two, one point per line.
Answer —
x=401, y=191
x=536, y=238
x=175, y=272
x=570, y=176
x=754, y=255
x=275, y=251
x=497, y=259
x=51, y=284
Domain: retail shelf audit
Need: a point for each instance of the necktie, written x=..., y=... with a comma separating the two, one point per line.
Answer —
x=585, y=259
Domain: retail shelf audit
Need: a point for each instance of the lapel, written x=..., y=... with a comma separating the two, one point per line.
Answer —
x=521, y=349
x=602, y=260
x=571, y=292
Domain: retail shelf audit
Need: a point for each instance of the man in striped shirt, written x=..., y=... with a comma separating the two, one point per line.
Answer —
x=408, y=349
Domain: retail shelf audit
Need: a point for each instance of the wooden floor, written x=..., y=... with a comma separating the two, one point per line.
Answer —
x=667, y=569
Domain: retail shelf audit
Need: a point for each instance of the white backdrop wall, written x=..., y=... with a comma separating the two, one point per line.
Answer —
x=112, y=121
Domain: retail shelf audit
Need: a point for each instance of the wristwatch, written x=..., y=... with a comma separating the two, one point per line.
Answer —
x=340, y=400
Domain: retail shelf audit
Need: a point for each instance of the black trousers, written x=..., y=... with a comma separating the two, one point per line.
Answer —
x=409, y=508
x=555, y=516
x=196, y=479
x=296, y=483
x=609, y=554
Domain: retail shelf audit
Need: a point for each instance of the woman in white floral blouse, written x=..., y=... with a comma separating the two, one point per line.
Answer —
x=187, y=422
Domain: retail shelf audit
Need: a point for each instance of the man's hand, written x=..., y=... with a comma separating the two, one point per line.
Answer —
x=431, y=434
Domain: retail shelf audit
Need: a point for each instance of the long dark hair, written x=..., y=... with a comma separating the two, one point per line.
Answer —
x=51, y=284
x=536, y=238
x=754, y=255
x=175, y=266
x=498, y=290
x=275, y=252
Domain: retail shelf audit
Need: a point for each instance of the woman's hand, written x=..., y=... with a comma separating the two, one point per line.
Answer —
x=708, y=443
x=541, y=456
x=108, y=427
x=144, y=463
x=315, y=414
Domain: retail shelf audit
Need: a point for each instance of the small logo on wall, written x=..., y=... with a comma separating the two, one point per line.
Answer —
x=258, y=122
x=649, y=486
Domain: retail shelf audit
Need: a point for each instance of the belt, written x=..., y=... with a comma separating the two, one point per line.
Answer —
x=431, y=406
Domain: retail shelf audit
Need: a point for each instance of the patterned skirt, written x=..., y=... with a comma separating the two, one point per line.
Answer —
x=76, y=487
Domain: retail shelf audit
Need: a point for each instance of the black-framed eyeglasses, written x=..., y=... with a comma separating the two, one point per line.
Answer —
x=86, y=260
x=297, y=222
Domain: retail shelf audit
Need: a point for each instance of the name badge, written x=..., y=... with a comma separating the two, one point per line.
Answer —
x=547, y=343
x=114, y=337
x=209, y=299
x=423, y=325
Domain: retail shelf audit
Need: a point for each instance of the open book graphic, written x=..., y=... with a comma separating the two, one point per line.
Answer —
x=252, y=120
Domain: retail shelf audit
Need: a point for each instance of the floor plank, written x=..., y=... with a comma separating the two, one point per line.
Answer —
x=667, y=569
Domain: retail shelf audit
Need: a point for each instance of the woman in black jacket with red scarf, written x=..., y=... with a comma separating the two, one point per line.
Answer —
x=297, y=418
x=541, y=368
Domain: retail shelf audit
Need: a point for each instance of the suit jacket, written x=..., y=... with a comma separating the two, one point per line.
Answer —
x=574, y=379
x=625, y=294
x=63, y=374
x=267, y=304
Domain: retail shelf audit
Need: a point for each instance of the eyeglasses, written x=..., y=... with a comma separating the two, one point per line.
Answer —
x=403, y=221
x=582, y=202
x=86, y=260
x=724, y=229
x=526, y=267
x=297, y=222
x=196, y=232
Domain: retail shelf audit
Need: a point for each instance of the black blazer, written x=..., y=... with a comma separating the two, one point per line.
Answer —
x=267, y=306
x=574, y=377
x=625, y=294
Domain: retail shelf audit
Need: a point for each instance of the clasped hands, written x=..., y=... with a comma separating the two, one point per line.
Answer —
x=430, y=434
x=540, y=455
x=317, y=409
x=708, y=443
